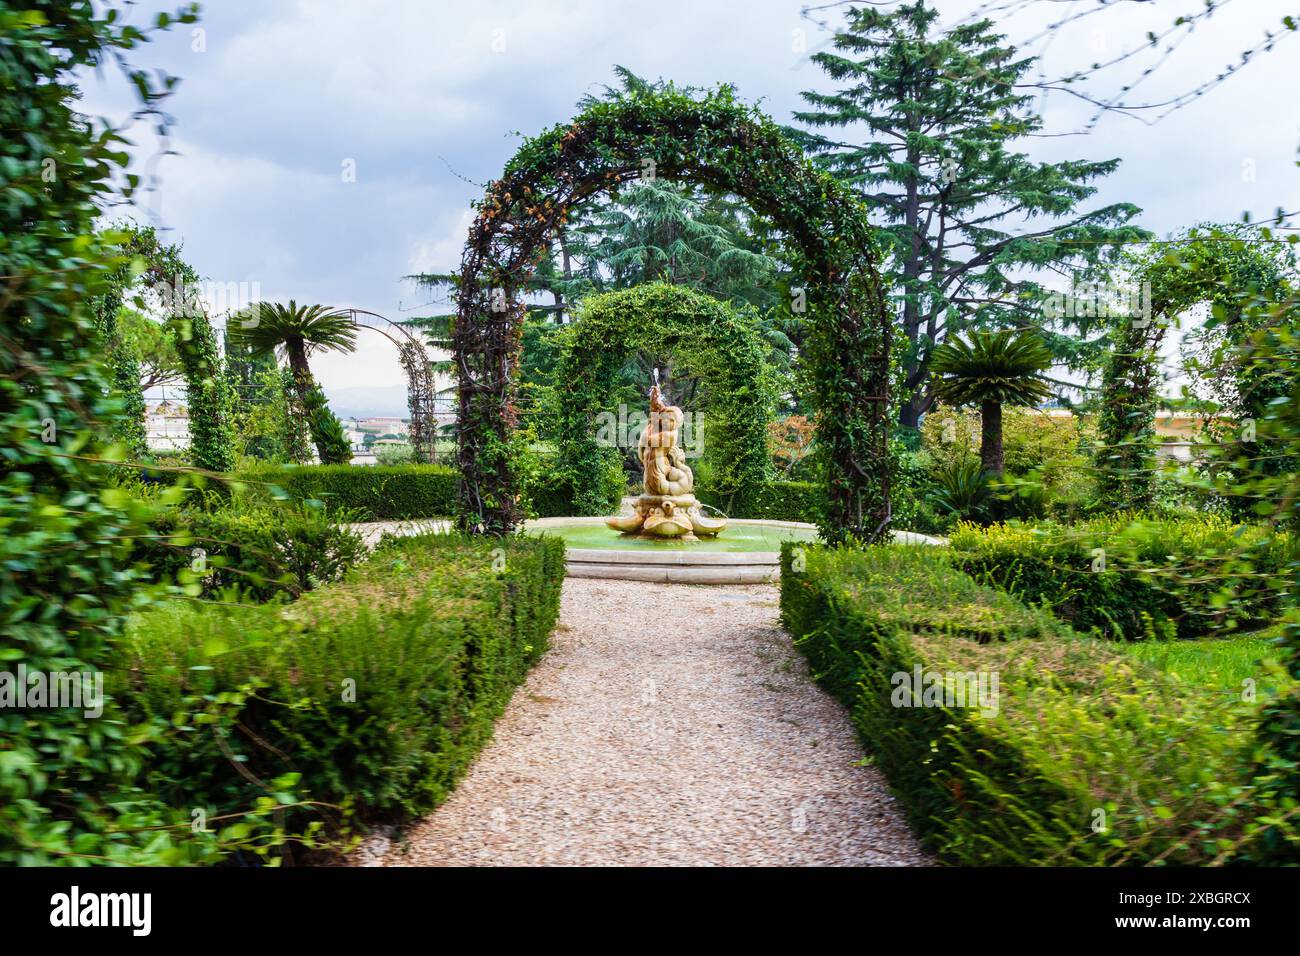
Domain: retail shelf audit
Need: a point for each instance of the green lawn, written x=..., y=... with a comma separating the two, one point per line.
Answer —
x=1222, y=662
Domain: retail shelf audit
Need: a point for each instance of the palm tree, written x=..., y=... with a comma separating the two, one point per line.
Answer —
x=301, y=330
x=990, y=370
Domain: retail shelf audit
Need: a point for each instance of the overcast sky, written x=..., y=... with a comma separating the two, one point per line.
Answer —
x=279, y=97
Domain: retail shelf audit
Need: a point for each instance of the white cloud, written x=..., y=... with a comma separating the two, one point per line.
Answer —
x=287, y=90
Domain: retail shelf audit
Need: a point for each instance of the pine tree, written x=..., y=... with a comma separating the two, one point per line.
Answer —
x=940, y=172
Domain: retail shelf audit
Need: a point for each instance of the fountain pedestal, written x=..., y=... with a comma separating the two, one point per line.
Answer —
x=667, y=509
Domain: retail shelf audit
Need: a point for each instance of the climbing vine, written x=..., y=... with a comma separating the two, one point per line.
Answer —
x=729, y=148
x=706, y=338
x=209, y=398
x=420, y=392
x=174, y=283
x=123, y=365
x=1231, y=270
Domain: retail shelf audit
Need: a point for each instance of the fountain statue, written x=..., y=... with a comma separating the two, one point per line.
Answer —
x=666, y=509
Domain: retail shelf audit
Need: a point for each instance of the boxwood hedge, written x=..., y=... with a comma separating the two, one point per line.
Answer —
x=1127, y=578
x=1088, y=758
x=371, y=493
x=366, y=698
x=262, y=549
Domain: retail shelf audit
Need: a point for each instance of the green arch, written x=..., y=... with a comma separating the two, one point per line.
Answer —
x=727, y=147
x=706, y=338
x=1227, y=267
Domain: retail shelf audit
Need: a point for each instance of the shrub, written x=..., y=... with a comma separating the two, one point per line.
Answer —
x=775, y=501
x=394, y=454
x=549, y=492
x=263, y=550
x=1125, y=578
x=962, y=490
x=376, y=692
x=368, y=493
x=1080, y=735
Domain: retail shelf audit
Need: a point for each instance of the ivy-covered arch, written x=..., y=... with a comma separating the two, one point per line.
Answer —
x=144, y=258
x=727, y=147
x=1227, y=267
x=706, y=338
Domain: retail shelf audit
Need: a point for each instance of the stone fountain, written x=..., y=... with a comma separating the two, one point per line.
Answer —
x=667, y=509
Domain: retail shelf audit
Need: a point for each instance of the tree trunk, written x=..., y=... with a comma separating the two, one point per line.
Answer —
x=991, y=437
x=296, y=349
x=909, y=412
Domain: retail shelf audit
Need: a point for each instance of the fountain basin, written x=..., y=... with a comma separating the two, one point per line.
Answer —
x=749, y=552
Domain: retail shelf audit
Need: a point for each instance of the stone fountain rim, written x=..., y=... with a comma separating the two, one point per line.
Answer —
x=686, y=566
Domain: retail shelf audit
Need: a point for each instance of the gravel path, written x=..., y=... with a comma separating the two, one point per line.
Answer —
x=668, y=724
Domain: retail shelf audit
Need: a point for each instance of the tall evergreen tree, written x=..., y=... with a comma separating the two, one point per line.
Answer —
x=939, y=169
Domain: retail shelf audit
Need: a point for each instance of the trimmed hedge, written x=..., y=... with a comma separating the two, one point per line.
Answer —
x=371, y=492
x=776, y=501
x=1082, y=737
x=549, y=492
x=263, y=550
x=400, y=492
x=1186, y=577
x=367, y=697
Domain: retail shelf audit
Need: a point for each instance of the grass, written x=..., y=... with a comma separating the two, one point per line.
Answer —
x=1212, y=662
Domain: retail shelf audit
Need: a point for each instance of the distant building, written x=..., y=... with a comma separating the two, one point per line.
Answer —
x=166, y=426
x=1175, y=432
x=380, y=425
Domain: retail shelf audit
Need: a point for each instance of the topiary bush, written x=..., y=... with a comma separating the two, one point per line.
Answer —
x=365, y=699
x=1079, y=756
x=363, y=493
x=1133, y=579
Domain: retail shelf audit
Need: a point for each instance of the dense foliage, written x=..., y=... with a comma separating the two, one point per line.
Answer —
x=68, y=784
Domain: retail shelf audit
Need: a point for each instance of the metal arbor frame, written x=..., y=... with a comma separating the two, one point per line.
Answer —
x=420, y=390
